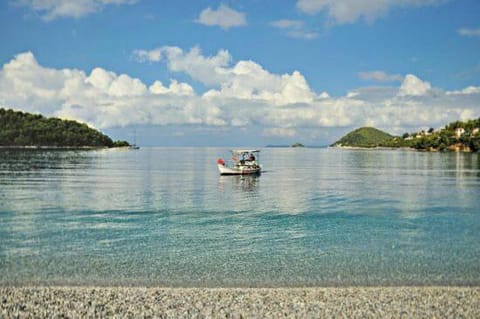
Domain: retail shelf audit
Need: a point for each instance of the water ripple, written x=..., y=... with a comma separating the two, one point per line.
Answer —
x=164, y=216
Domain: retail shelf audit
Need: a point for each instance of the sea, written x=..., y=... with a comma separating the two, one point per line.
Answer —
x=165, y=217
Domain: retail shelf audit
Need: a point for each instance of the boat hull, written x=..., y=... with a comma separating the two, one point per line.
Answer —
x=224, y=170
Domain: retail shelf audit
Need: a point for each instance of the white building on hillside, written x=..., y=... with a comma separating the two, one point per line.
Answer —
x=459, y=131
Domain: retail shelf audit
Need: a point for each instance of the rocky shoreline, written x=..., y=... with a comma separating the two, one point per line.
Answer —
x=352, y=302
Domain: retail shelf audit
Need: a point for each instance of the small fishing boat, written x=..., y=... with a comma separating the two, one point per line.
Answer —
x=244, y=162
x=134, y=147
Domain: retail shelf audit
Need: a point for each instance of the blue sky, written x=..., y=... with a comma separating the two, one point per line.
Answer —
x=242, y=73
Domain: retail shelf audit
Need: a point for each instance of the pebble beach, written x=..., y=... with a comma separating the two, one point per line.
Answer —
x=348, y=302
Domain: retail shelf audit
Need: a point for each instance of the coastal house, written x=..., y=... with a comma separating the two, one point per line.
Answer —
x=459, y=131
x=423, y=133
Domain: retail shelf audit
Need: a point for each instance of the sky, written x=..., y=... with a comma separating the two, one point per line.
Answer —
x=242, y=73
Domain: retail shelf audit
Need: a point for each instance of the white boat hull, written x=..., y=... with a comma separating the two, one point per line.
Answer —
x=241, y=170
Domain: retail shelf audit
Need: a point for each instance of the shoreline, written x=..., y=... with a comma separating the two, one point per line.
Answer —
x=68, y=148
x=351, y=302
x=402, y=148
x=33, y=147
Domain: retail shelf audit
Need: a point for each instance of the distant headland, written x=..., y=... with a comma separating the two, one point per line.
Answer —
x=26, y=130
x=297, y=144
x=457, y=136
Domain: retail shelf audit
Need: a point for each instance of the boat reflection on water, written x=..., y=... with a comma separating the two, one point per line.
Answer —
x=245, y=183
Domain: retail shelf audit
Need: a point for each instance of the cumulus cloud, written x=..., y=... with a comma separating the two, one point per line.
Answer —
x=101, y=98
x=280, y=105
x=250, y=81
x=349, y=11
x=413, y=86
x=467, y=90
x=380, y=76
x=118, y=86
x=148, y=55
x=175, y=88
x=294, y=29
x=52, y=9
x=245, y=79
x=207, y=70
x=469, y=32
x=224, y=17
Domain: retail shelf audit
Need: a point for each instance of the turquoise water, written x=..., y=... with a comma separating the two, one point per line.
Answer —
x=163, y=216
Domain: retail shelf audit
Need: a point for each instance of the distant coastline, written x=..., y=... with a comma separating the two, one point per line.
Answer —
x=297, y=146
x=47, y=147
x=373, y=148
x=454, y=137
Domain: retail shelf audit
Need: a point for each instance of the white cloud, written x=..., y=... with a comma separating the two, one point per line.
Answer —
x=101, y=79
x=469, y=32
x=248, y=80
x=467, y=90
x=349, y=11
x=102, y=98
x=324, y=95
x=224, y=17
x=413, y=86
x=207, y=70
x=378, y=94
x=174, y=88
x=302, y=34
x=52, y=9
x=110, y=83
x=287, y=24
x=144, y=55
x=280, y=105
x=380, y=76
x=294, y=29
x=282, y=132
x=123, y=85
x=245, y=79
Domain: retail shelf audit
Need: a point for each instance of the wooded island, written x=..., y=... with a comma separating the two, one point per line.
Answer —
x=19, y=129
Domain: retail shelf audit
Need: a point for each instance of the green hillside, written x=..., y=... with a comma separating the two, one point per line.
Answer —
x=364, y=137
x=456, y=136
x=24, y=129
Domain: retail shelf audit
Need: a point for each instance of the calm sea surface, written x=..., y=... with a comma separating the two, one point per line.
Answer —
x=164, y=216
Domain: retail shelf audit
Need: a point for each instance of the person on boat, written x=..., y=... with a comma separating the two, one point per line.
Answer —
x=251, y=158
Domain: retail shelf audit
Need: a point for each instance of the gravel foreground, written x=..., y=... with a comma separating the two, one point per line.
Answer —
x=355, y=302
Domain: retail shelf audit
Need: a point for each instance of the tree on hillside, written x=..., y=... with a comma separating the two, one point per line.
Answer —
x=25, y=129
